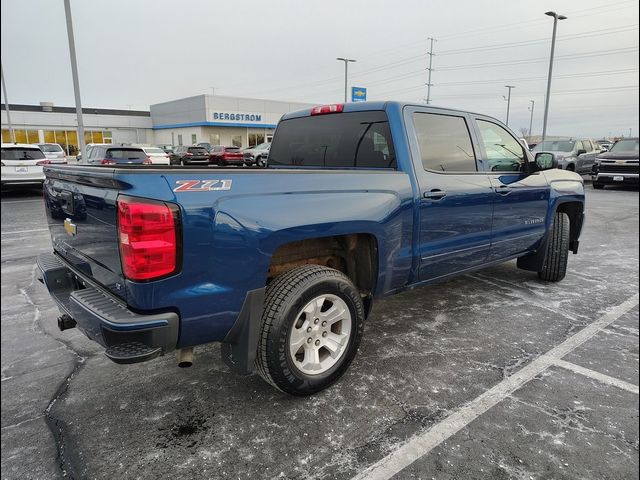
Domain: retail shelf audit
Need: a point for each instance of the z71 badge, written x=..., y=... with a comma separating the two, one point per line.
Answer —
x=202, y=185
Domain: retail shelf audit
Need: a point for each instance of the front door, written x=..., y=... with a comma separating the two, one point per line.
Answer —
x=521, y=198
x=456, y=199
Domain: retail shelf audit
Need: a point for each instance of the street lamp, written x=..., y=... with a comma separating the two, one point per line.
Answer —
x=533, y=103
x=346, y=73
x=74, y=74
x=556, y=17
x=508, y=101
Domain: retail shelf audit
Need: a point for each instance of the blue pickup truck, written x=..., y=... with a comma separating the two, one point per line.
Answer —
x=282, y=264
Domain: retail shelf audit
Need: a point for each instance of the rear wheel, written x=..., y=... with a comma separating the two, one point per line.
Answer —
x=311, y=327
x=598, y=186
x=571, y=167
x=554, y=267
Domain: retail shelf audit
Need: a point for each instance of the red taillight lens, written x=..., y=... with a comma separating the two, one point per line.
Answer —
x=148, y=238
x=188, y=154
x=43, y=162
x=106, y=161
x=324, y=109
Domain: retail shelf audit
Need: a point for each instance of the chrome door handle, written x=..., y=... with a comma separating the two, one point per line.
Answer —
x=503, y=190
x=435, y=194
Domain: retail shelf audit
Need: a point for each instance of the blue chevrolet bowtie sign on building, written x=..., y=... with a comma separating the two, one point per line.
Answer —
x=358, y=94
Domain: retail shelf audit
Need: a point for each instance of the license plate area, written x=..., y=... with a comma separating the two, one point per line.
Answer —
x=618, y=178
x=22, y=169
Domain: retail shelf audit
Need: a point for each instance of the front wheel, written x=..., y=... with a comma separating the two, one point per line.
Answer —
x=312, y=324
x=554, y=267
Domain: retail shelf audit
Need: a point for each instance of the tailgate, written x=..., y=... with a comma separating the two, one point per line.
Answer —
x=81, y=208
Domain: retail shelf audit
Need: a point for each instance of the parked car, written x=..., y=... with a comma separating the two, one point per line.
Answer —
x=87, y=151
x=157, y=155
x=167, y=148
x=257, y=155
x=605, y=144
x=117, y=155
x=22, y=164
x=223, y=156
x=283, y=265
x=189, y=155
x=618, y=166
x=53, y=152
x=576, y=155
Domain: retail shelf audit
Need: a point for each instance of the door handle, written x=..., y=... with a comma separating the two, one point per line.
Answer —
x=435, y=194
x=503, y=190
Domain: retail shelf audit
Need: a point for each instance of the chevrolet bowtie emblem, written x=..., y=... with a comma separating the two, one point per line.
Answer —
x=69, y=226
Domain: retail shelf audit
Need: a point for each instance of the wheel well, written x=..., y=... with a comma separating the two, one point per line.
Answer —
x=574, y=210
x=355, y=255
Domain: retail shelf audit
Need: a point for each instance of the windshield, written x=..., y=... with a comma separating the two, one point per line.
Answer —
x=126, y=154
x=555, y=146
x=198, y=150
x=625, y=146
x=51, y=148
x=19, y=153
x=262, y=146
x=156, y=151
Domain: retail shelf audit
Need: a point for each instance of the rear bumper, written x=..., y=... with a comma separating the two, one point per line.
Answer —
x=106, y=320
x=11, y=177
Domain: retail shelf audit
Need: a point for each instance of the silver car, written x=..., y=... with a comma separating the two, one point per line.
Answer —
x=257, y=155
x=576, y=155
x=53, y=152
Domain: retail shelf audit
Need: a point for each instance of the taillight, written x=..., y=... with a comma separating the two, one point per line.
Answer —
x=147, y=161
x=43, y=162
x=107, y=161
x=324, y=109
x=188, y=154
x=148, y=238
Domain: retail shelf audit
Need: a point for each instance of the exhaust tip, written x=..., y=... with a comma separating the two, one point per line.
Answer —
x=185, y=357
x=65, y=322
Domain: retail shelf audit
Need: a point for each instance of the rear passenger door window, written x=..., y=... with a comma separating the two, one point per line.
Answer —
x=504, y=153
x=444, y=142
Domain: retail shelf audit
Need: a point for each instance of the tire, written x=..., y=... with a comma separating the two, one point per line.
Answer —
x=284, y=321
x=554, y=267
x=571, y=167
x=598, y=186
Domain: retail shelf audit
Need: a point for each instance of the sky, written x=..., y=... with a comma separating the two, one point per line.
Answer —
x=133, y=53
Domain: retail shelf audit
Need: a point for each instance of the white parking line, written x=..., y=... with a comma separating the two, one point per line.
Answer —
x=601, y=377
x=423, y=443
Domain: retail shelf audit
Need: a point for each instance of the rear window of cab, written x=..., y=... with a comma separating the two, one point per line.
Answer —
x=338, y=140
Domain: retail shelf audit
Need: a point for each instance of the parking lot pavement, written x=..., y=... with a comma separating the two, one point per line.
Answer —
x=491, y=375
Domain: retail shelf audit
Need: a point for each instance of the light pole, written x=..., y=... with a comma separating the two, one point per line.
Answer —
x=533, y=103
x=12, y=133
x=556, y=17
x=74, y=74
x=346, y=74
x=508, y=102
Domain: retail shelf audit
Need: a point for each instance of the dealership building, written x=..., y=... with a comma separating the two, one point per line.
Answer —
x=213, y=119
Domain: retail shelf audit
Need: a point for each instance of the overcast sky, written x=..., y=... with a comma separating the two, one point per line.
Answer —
x=132, y=53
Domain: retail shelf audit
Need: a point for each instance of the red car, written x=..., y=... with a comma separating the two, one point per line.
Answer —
x=221, y=155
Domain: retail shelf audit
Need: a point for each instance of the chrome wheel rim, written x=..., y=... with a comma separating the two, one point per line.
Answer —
x=320, y=334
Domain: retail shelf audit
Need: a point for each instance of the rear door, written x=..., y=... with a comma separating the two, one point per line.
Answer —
x=455, y=207
x=520, y=198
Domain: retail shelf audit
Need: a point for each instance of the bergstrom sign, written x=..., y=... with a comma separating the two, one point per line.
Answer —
x=237, y=117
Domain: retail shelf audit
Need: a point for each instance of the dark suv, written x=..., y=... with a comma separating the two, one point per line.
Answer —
x=189, y=155
x=117, y=155
x=617, y=166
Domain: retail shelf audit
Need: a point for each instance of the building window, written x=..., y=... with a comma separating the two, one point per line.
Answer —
x=179, y=139
x=236, y=141
x=194, y=139
x=214, y=138
x=107, y=136
x=255, y=139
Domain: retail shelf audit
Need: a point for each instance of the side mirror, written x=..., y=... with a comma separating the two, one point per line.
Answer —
x=581, y=151
x=545, y=161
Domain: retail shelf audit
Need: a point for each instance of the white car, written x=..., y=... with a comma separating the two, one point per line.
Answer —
x=22, y=164
x=53, y=152
x=157, y=155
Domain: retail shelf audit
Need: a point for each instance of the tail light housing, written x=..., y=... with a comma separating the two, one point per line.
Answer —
x=43, y=162
x=149, y=238
x=107, y=161
x=325, y=109
x=147, y=161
